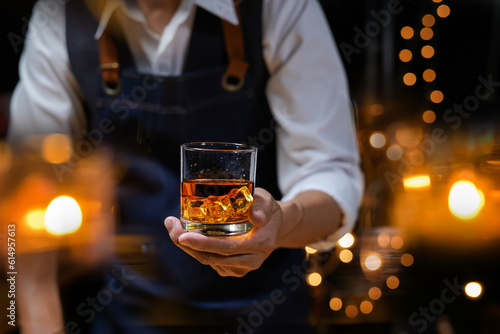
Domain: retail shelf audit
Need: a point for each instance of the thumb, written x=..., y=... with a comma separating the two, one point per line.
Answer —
x=261, y=210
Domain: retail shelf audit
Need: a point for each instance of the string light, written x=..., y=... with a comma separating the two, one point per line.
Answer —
x=346, y=241
x=409, y=79
x=392, y=282
x=428, y=20
x=405, y=55
x=335, y=303
x=429, y=116
x=443, y=11
x=407, y=259
x=473, y=289
x=429, y=75
x=366, y=307
x=407, y=32
x=427, y=51
x=437, y=96
x=426, y=33
x=374, y=293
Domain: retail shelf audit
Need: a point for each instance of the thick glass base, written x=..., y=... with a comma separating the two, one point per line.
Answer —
x=217, y=230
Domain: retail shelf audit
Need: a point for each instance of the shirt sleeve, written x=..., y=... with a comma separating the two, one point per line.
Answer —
x=47, y=98
x=309, y=98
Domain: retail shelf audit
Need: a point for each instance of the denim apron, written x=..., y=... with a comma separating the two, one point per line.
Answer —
x=164, y=290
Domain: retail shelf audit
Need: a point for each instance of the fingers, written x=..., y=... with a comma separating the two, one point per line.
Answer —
x=262, y=208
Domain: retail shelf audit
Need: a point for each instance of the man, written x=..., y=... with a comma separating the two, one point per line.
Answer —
x=171, y=71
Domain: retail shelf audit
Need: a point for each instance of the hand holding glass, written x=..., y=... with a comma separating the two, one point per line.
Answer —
x=217, y=184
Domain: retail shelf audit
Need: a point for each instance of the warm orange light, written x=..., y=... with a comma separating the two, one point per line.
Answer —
x=437, y=96
x=346, y=256
x=405, y=55
x=409, y=136
x=392, y=282
x=35, y=219
x=427, y=51
x=56, y=148
x=407, y=32
x=426, y=34
x=335, y=304
x=428, y=20
x=465, y=201
x=63, y=216
x=443, y=11
x=473, y=290
x=351, y=311
x=429, y=75
x=417, y=182
x=437, y=1
x=366, y=307
x=377, y=140
x=346, y=241
x=409, y=79
x=397, y=242
x=314, y=279
x=429, y=116
x=407, y=259
x=374, y=293
x=383, y=240
x=394, y=152
x=376, y=109
x=310, y=250
x=373, y=262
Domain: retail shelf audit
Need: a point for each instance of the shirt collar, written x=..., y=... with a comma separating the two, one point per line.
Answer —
x=222, y=8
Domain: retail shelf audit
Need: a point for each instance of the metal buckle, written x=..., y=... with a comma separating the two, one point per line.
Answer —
x=230, y=86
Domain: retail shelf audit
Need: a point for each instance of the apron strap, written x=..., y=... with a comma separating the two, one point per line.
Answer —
x=232, y=80
x=234, y=77
x=110, y=66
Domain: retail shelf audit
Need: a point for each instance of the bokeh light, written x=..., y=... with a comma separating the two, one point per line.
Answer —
x=392, y=282
x=373, y=262
x=465, y=201
x=426, y=33
x=429, y=75
x=428, y=20
x=409, y=79
x=351, y=311
x=394, y=152
x=35, y=219
x=366, y=307
x=405, y=55
x=417, y=182
x=429, y=116
x=63, y=216
x=427, y=51
x=397, y=242
x=383, y=240
x=437, y=96
x=310, y=250
x=407, y=32
x=335, y=303
x=443, y=11
x=346, y=256
x=473, y=289
x=374, y=293
x=407, y=259
x=314, y=279
x=346, y=241
x=377, y=140
x=56, y=148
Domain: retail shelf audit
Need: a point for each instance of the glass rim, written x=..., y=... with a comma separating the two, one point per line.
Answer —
x=218, y=146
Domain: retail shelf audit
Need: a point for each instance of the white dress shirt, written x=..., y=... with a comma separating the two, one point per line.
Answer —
x=307, y=89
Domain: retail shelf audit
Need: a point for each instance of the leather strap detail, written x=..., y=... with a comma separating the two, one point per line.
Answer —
x=234, y=77
x=110, y=66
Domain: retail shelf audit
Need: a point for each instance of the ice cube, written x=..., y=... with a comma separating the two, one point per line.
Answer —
x=217, y=209
x=241, y=199
x=193, y=210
